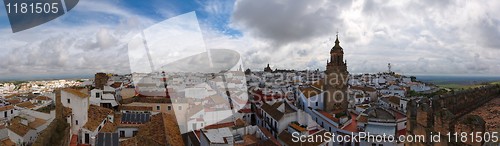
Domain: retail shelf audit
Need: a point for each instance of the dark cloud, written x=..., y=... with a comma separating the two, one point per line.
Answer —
x=282, y=22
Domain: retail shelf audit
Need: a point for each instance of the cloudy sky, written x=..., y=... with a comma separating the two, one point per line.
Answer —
x=416, y=37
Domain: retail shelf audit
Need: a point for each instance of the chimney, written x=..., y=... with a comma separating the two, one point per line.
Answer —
x=92, y=141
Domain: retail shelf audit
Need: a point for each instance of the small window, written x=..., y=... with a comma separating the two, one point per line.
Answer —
x=69, y=101
x=157, y=107
x=97, y=95
x=169, y=107
x=316, y=103
x=11, y=111
x=76, y=122
x=134, y=133
x=122, y=133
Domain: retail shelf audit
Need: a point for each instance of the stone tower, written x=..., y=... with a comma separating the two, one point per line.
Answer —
x=336, y=97
x=100, y=80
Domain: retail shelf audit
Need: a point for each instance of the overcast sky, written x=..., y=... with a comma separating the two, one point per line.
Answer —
x=416, y=37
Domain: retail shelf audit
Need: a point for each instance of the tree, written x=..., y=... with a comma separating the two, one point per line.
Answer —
x=248, y=71
x=413, y=78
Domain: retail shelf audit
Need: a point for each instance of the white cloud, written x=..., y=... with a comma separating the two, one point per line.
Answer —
x=417, y=37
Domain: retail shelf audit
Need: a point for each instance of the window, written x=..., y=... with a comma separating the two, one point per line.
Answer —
x=76, y=122
x=69, y=101
x=134, y=133
x=5, y=114
x=97, y=95
x=169, y=107
x=87, y=138
x=99, y=128
x=316, y=103
x=11, y=111
x=122, y=133
x=157, y=107
x=194, y=126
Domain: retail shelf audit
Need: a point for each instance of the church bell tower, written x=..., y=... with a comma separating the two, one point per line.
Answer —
x=336, y=78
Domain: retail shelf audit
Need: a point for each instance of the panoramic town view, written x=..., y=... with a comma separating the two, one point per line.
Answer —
x=250, y=72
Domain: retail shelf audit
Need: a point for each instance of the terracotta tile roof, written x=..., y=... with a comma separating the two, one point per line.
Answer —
x=8, y=107
x=37, y=123
x=10, y=96
x=76, y=92
x=109, y=127
x=368, y=89
x=245, y=110
x=146, y=99
x=34, y=124
x=319, y=84
x=353, y=126
x=310, y=92
x=297, y=127
x=19, y=128
x=394, y=100
x=74, y=140
x=96, y=115
x=14, y=101
x=363, y=119
x=162, y=129
x=26, y=104
x=329, y=116
x=221, y=125
x=273, y=112
x=129, y=142
x=42, y=98
x=136, y=108
x=272, y=140
x=7, y=142
x=240, y=122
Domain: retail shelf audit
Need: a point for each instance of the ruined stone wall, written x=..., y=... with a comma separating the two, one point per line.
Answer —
x=443, y=113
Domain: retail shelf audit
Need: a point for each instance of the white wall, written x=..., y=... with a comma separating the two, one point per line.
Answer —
x=129, y=131
x=29, y=137
x=79, y=106
x=10, y=114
